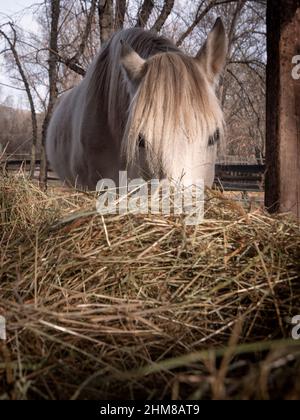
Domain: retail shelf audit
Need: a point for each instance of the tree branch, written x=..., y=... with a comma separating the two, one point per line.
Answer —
x=199, y=16
x=86, y=33
x=144, y=13
x=120, y=14
x=105, y=11
x=165, y=13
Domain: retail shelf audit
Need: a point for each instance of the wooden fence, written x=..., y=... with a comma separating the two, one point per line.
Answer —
x=233, y=177
x=239, y=177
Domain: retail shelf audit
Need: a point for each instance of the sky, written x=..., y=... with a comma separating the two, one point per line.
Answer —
x=10, y=7
x=13, y=8
x=16, y=10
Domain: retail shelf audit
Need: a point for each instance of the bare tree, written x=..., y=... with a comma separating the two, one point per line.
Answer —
x=73, y=62
x=13, y=47
x=231, y=35
x=106, y=19
x=165, y=13
x=87, y=30
x=120, y=14
x=53, y=78
x=144, y=13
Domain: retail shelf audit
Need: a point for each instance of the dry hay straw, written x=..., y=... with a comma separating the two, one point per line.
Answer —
x=144, y=306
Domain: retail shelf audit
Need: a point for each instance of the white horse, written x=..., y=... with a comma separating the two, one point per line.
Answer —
x=143, y=106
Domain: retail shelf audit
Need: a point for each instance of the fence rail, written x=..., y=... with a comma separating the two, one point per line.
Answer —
x=240, y=177
x=233, y=177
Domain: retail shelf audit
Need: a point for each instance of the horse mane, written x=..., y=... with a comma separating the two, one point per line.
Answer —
x=173, y=94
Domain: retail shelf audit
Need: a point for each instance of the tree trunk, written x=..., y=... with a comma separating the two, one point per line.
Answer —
x=165, y=13
x=144, y=13
x=120, y=14
x=283, y=107
x=105, y=10
x=53, y=75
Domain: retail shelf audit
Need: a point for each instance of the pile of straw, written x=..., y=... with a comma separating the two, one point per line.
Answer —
x=143, y=306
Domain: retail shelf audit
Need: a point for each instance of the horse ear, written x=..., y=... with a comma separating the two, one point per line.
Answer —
x=212, y=56
x=132, y=63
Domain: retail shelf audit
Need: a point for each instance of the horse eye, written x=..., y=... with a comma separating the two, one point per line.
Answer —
x=214, y=139
x=141, y=142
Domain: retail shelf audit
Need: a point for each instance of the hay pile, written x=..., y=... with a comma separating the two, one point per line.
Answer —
x=143, y=306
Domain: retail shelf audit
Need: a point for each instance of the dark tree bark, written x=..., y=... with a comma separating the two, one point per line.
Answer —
x=106, y=20
x=12, y=45
x=144, y=13
x=120, y=14
x=165, y=13
x=283, y=107
x=53, y=76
